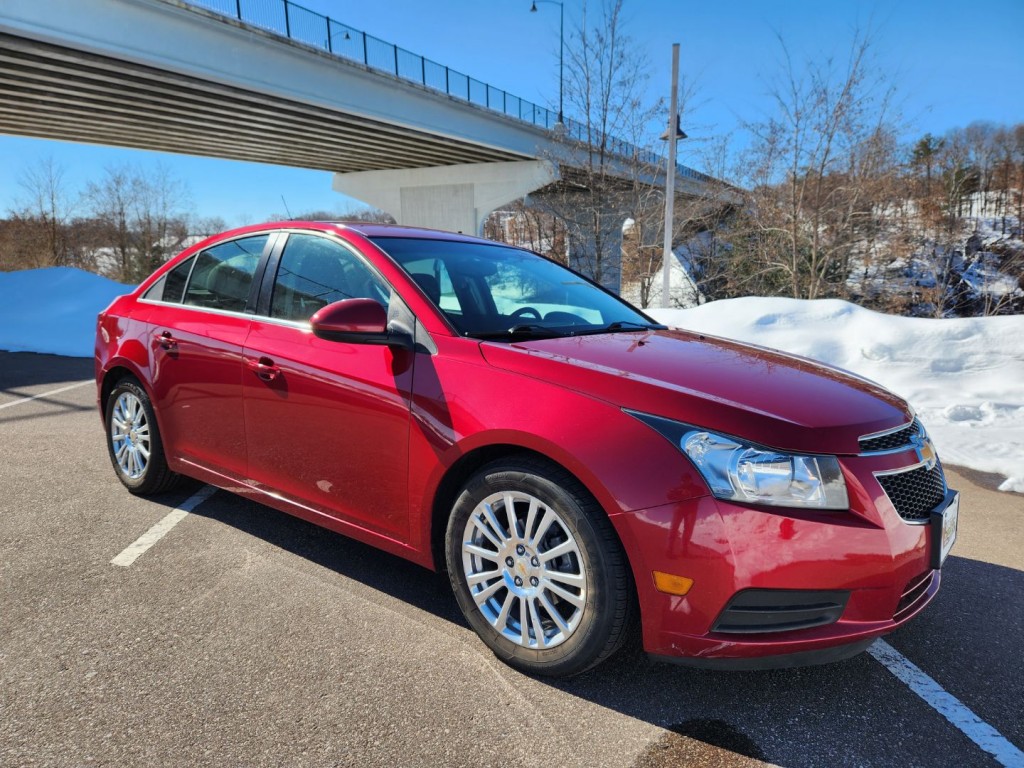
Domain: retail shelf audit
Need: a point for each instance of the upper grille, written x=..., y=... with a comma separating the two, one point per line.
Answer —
x=886, y=442
x=915, y=493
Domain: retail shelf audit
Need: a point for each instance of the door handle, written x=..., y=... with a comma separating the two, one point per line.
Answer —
x=167, y=341
x=263, y=367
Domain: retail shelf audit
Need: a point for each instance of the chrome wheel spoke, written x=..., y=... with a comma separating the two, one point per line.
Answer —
x=562, y=549
x=572, y=579
x=551, y=611
x=506, y=607
x=484, y=594
x=510, y=516
x=482, y=576
x=486, y=554
x=538, y=628
x=546, y=521
x=531, y=518
x=524, y=623
x=492, y=520
x=569, y=597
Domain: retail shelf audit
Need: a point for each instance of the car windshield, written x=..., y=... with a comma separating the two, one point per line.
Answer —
x=496, y=292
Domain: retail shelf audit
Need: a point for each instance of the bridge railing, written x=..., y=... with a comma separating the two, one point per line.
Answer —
x=303, y=25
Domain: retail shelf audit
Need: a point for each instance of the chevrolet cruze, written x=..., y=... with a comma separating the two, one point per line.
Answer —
x=581, y=472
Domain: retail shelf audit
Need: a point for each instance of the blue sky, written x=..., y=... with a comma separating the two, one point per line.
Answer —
x=952, y=63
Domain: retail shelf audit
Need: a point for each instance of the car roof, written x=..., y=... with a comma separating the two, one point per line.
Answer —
x=367, y=229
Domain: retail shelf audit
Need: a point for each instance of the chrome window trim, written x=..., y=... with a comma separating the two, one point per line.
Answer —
x=900, y=471
x=229, y=313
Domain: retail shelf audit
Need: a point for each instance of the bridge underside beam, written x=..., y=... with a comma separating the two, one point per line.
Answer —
x=457, y=198
x=48, y=91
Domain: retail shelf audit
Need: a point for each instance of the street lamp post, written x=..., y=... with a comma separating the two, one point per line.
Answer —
x=561, y=52
x=672, y=134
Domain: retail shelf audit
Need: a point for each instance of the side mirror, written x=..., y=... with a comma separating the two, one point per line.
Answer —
x=355, y=321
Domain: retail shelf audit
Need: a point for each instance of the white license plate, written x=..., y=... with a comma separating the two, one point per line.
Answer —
x=947, y=530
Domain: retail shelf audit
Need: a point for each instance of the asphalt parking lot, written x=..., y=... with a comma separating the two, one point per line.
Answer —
x=247, y=637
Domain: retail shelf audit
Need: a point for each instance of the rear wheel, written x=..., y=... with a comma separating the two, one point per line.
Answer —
x=537, y=568
x=133, y=441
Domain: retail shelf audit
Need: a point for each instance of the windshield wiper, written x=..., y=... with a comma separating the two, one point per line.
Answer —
x=626, y=325
x=521, y=331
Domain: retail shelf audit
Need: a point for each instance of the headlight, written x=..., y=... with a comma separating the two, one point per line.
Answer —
x=740, y=471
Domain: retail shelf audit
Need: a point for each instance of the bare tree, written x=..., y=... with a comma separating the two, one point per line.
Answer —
x=812, y=170
x=141, y=217
x=606, y=75
x=43, y=214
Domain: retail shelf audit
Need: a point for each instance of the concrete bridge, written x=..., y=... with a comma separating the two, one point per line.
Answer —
x=427, y=144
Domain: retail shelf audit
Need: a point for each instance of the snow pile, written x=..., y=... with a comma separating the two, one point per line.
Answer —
x=53, y=310
x=965, y=376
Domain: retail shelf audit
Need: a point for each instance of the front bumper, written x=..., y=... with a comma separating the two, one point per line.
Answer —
x=876, y=565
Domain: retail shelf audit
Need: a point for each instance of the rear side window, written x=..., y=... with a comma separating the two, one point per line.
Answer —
x=222, y=277
x=174, y=282
x=315, y=272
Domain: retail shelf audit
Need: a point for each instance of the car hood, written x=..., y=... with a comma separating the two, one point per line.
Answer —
x=762, y=395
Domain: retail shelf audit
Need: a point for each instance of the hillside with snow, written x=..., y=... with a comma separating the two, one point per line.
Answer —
x=965, y=377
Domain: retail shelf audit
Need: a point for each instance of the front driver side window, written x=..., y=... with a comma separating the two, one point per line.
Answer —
x=315, y=272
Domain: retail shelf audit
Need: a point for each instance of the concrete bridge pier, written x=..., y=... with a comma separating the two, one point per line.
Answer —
x=457, y=198
x=593, y=231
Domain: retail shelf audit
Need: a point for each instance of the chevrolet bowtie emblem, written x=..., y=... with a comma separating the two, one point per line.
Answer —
x=925, y=450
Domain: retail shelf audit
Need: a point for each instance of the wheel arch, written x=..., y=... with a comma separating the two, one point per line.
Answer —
x=115, y=374
x=465, y=466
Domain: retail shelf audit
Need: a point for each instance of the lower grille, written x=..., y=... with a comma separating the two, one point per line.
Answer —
x=780, y=610
x=916, y=492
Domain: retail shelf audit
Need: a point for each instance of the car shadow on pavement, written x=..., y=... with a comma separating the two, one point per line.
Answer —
x=352, y=559
x=27, y=369
x=794, y=717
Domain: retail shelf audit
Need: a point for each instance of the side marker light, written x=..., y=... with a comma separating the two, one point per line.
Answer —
x=671, y=584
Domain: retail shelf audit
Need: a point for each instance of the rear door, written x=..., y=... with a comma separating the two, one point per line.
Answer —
x=327, y=423
x=198, y=324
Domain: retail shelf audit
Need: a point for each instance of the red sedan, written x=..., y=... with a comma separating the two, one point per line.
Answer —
x=577, y=469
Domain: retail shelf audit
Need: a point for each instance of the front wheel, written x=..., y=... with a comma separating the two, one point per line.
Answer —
x=538, y=569
x=133, y=441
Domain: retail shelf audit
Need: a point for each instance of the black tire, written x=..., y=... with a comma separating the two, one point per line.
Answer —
x=606, y=611
x=155, y=476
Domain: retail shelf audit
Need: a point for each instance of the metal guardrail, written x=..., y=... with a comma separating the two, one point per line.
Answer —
x=314, y=29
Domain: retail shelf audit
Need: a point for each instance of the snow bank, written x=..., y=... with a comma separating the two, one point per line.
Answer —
x=965, y=377
x=53, y=310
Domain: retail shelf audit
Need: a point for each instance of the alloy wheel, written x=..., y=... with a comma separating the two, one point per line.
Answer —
x=129, y=436
x=524, y=570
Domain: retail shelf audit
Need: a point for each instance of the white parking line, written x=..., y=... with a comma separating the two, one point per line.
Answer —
x=47, y=394
x=947, y=705
x=158, y=531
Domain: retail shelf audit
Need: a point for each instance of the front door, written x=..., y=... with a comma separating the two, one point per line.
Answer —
x=327, y=423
